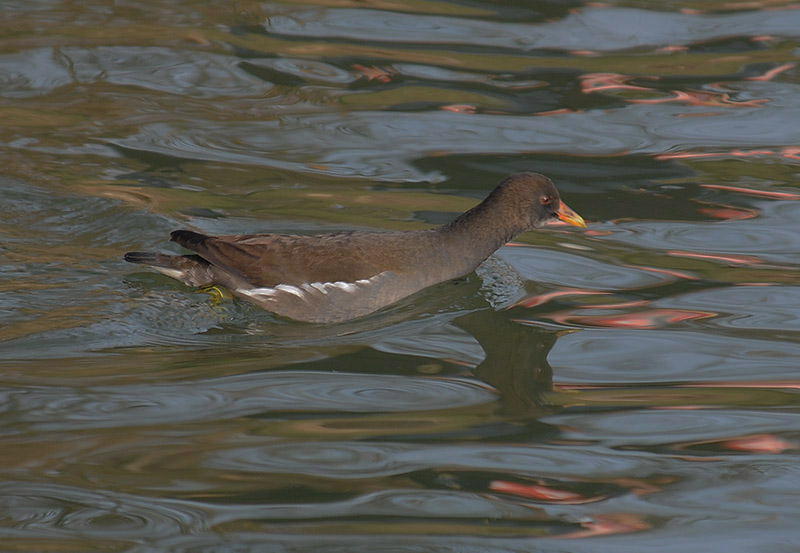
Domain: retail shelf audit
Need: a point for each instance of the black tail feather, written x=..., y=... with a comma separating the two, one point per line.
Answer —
x=148, y=258
x=189, y=269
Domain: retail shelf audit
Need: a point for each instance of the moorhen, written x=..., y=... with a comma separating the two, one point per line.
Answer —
x=327, y=278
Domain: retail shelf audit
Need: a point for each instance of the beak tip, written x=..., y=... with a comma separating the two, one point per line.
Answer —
x=568, y=215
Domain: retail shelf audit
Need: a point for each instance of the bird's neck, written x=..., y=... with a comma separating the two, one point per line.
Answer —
x=483, y=230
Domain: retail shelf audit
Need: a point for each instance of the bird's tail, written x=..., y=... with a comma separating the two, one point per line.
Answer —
x=192, y=270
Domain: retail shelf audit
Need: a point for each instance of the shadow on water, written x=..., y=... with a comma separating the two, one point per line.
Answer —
x=516, y=362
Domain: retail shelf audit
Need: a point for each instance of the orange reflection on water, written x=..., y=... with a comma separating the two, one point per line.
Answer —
x=767, y=384
x=374, y=73
x=608, y=524
x=769, y=75
x=753, y=192
x=593, y=82
x=761, y=443
x=559, y=111
x=460, y=108
x=597, y=233
x=667, y=272
x=539, y=492
x=621, y=305
x=584, y=53
x=653, y=318
x=729, y=213
x=697, y=98
x=754, y=443
x=540, y=299
x=672, y=49
x=693, y=155
x=790, y=152
x=737, y=259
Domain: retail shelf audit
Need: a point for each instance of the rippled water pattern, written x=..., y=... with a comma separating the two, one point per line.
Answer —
x=631, y=387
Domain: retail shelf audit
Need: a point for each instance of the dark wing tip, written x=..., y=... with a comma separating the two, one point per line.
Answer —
x=188, y=239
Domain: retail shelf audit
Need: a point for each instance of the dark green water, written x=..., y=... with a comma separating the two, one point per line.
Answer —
x=629, y=387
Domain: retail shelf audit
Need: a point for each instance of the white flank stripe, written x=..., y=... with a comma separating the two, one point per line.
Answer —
x=172, y=273
x=306, y=287
x=257, y=291
x=346, y=286
x=290, y=289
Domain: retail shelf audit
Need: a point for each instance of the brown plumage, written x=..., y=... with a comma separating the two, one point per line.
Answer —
x=328, y=278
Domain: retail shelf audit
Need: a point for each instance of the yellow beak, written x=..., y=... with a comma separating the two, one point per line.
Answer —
x=566, y=214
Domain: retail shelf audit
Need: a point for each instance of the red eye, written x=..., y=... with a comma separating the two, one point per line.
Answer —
x=547, y=200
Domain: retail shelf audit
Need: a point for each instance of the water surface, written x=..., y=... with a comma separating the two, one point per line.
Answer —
x=632, y=386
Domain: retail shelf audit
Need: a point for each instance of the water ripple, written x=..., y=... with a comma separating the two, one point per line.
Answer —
x=671, y=425
x=54, y=408
x=383, y=145
x=31, y=73
x=307, y=70
x=578, y=271
x=389, y=503
x=773, y=308
x=619, y=355
x=286, y=540
x=602, y=28
x=441, y=341
x=343, y=459
x=56, y=510
x=772, y=236
x=188, y=73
